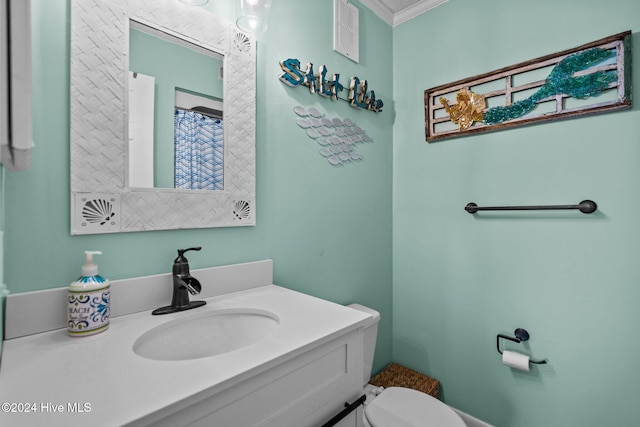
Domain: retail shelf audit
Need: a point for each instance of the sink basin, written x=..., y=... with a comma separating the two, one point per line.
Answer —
x=206, y=334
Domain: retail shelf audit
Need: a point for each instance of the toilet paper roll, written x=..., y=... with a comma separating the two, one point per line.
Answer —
x=515, y=360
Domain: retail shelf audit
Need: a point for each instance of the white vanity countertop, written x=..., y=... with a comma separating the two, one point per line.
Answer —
x=47, y=372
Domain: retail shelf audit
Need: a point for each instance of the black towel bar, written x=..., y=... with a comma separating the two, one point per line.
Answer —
x=585, y=206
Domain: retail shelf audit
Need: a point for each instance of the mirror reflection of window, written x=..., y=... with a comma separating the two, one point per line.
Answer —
x=176, y=66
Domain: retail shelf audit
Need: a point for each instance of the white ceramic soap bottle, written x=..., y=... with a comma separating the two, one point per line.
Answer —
x=88, y=301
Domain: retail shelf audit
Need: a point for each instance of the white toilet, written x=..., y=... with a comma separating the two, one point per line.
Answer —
x=398, y=406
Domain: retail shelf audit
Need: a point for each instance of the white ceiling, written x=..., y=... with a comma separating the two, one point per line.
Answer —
x=396, y=12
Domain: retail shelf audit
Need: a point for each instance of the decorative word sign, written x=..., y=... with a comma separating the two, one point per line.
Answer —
x=359, y=94
x=589, y=79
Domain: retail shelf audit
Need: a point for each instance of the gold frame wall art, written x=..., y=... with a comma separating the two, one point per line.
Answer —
x=589, y=79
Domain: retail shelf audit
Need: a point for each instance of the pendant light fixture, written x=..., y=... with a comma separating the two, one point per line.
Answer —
x=253, y=15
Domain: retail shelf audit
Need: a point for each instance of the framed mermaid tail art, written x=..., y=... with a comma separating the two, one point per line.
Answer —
x=589, y=79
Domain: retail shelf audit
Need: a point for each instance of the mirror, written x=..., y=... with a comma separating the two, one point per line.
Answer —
x=176, y=112
x=102, y=199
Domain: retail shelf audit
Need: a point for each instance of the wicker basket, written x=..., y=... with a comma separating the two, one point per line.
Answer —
x=396, y=375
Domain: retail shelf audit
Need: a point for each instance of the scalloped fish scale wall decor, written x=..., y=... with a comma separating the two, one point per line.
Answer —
x=338, y=138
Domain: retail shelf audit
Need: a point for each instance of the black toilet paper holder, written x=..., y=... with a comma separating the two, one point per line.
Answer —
x=521, y=335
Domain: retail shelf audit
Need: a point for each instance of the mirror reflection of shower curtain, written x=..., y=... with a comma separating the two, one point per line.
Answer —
x=198, y=151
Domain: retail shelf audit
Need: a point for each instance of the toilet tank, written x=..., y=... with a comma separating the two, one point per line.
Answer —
x=370, y=337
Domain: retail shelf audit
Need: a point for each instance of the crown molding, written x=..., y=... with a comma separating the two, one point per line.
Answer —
x=387, y=15
x=417, y=9
x=380, y=9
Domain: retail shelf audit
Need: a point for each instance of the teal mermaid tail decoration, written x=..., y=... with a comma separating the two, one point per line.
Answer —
x=561, y=82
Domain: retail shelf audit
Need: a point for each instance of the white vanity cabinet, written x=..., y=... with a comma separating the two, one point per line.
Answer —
x=307, y=390
x=299, y=374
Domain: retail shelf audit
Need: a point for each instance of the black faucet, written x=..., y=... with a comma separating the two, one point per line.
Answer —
x=183, y=285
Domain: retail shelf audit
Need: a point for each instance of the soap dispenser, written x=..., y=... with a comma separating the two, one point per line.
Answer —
x=88, y=299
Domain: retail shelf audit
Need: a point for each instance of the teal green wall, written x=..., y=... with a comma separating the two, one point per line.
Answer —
x=458, y=280
x=173, y=67
x=571, y=279
x=328, y=229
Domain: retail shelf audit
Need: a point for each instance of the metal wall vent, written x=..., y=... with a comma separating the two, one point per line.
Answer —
x=346, y=29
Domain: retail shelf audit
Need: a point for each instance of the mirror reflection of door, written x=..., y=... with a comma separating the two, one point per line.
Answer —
x=141, y=115
x=170, y=79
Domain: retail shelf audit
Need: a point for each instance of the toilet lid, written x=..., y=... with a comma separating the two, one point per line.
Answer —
x=404, y=407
